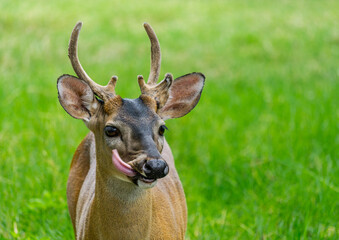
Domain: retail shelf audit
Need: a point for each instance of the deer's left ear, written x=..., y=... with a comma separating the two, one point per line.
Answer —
x=184, y=94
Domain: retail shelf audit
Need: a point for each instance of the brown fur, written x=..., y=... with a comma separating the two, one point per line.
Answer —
x=156, y=213
x=77, y=174
x=149, y=102
x=112, y=104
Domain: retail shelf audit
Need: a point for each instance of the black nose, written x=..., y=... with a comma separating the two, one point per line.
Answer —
x=155, y=168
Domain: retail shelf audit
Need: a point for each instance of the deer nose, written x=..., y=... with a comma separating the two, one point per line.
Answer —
x=155, y=168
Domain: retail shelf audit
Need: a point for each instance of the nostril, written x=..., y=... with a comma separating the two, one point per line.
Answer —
x=147, y=168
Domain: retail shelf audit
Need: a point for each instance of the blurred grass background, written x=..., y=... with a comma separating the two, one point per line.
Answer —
x=258, y=157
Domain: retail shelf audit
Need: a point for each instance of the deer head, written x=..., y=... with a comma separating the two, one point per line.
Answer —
x=129, y=133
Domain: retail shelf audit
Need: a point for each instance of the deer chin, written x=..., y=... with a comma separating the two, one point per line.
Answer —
x=149, y=183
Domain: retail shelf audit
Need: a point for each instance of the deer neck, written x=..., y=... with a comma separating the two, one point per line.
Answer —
x=120, y=206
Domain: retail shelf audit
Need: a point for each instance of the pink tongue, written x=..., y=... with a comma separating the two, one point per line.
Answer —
x=121, y=165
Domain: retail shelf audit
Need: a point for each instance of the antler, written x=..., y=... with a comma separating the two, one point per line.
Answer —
x=158, y=91
x=155, y=55
x=104, y=92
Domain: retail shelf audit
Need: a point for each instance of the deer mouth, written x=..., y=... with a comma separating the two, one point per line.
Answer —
x=144, y=179
x=129, y=171
x=144, y=182
x=121, y=165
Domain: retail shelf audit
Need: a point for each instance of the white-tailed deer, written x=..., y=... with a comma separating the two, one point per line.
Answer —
x=115, y=188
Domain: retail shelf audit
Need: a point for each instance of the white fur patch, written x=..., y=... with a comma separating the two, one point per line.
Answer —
x=144, y=185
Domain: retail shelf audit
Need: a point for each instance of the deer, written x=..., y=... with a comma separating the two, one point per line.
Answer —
x=122, y=182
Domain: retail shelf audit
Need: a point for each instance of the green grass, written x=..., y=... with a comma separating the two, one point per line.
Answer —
x=258, y=157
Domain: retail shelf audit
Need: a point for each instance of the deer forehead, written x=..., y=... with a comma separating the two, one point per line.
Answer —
x=135, y=113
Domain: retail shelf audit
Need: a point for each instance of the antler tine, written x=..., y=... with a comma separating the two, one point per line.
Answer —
x=158, y=91
x=101, y=91
x=155, y=55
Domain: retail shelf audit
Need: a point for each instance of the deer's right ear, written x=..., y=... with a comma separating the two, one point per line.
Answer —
x=76, y=97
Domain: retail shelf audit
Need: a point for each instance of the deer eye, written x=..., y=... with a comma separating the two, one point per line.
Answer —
x=162, y=129
x=111, y=131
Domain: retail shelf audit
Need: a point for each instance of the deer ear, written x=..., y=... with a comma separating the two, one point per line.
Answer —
x=76, y=97
x=184, y=94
